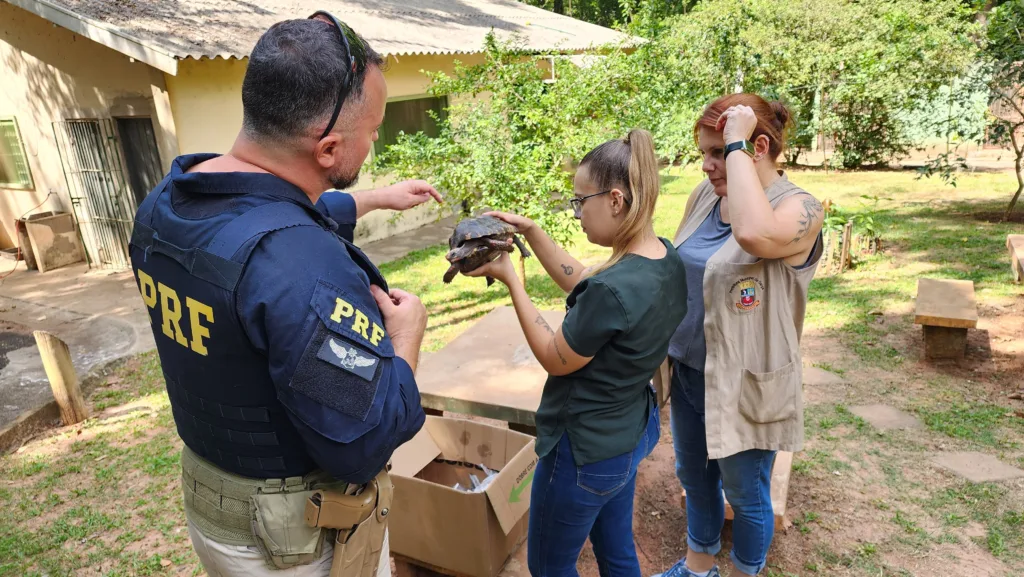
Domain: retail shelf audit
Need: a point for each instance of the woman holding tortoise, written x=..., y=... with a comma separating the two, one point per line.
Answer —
x=598, y=417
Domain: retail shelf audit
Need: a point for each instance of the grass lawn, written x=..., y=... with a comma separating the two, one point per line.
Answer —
x=103, y=498
x=926, y=221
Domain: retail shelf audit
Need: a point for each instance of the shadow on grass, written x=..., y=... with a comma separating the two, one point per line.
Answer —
x=951, y=237
x=937, y=239
x=845, y=305
x=458, y=319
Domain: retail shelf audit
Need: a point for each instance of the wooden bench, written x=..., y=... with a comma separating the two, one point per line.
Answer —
x=781, y=471
x=945, y=309
x=1015, y=242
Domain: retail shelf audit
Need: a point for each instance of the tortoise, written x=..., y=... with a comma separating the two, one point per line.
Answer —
x=477, y=241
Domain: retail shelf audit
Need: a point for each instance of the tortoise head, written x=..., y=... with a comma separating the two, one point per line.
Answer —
x=466, y=249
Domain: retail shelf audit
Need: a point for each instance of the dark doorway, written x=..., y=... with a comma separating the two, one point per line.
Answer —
x=141, y=155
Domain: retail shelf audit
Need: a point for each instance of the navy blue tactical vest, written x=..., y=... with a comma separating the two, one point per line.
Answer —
x=188, y=267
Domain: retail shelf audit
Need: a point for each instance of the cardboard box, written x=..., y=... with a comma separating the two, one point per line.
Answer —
x=468, y=534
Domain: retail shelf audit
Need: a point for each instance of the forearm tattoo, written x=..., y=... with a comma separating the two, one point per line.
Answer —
x=812, y=210
x=567, y=269
x=540, y=321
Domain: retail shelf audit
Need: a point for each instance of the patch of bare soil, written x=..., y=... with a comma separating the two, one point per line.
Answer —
x=991, y=216
x=994, y=363
x=869, y=516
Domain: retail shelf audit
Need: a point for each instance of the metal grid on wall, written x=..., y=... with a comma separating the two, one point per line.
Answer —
x=102, y=200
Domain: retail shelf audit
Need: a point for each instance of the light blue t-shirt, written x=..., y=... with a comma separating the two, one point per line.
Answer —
x=687, y=345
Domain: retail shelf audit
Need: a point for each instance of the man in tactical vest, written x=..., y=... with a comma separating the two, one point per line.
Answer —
x=289, y=362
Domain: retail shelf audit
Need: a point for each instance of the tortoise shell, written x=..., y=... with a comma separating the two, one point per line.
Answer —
x=477, y=241
x=479, y=227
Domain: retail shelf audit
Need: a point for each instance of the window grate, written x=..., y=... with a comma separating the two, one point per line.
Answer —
x=14, y=170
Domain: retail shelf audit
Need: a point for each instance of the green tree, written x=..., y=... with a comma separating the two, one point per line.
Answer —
x=997, y=77
x=847, y=69
x=1004, y=59
x=511, y=133
x=616, y=13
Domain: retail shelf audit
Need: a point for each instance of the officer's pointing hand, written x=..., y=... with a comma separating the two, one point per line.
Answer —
x=407, y=194
x=405, y=319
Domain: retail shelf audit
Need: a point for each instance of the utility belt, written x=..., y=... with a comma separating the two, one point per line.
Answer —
x=289, y=520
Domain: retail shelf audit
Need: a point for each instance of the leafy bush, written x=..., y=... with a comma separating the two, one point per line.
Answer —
x=511, y=137
x=850, y=70
x=847, y=70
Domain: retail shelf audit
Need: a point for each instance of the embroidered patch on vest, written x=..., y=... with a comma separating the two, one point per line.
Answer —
x=744, y=292
x=348, y=357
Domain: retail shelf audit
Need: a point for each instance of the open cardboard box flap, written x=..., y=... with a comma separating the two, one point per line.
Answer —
x=509, y=493
x=410, y=458
x=504, y=450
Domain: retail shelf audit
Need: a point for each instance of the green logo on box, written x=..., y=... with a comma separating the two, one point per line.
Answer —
x=517, y=491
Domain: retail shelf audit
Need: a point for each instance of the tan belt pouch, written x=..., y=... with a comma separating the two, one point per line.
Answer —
x=361, y=521
x=282, y=536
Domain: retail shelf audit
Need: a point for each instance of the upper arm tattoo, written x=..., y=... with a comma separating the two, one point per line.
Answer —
x=567, y=269
x=560, y=355
x=812, y=209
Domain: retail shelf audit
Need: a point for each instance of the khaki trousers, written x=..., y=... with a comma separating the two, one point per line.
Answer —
x=222, y=560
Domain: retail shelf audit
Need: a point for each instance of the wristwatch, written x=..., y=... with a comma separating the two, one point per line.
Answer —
x=744, y=145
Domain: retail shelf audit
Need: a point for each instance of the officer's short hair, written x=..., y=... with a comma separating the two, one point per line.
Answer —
x=295, y=76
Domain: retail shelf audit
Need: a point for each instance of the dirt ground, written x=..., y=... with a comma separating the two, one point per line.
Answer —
x=852, y=510
x=102, y=499
x=860, y=502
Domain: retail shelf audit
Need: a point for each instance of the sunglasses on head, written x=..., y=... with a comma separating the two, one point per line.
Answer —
x=349, y=72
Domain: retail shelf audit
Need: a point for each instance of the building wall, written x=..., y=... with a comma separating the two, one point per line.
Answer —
x=206, y=100
x=48, y=74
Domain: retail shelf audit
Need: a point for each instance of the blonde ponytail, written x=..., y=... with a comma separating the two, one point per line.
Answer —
x=629, y=163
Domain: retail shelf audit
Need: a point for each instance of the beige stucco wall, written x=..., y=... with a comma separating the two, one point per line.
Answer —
x=206, y=101
x=48, y=73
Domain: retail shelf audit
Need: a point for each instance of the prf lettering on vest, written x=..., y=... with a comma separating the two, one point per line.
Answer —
x=360, y=322
x=171, y=311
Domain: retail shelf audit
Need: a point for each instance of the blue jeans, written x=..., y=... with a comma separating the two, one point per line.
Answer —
x=745, y=476
x=569, y=502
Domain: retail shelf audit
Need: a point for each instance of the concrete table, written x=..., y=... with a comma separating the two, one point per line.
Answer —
x=487, y=371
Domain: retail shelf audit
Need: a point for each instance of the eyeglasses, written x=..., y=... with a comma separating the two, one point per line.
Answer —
x=346, y=82
x=577, y=202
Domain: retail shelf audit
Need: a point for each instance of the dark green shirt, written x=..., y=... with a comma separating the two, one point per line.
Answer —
x=623, y=317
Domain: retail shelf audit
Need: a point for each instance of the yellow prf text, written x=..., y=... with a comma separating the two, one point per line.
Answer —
x=156, y=294
x=360, y=322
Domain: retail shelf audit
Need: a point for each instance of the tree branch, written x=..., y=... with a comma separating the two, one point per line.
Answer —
x=1011, y=100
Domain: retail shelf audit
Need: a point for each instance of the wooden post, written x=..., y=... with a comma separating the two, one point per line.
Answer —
x=63, y=380
x=844, y=254
x=830, y=252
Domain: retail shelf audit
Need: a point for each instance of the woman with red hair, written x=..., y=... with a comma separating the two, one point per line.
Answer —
x=750, y=242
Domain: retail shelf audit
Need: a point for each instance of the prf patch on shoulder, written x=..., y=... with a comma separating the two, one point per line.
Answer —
x=352, y=313
x=349, y=357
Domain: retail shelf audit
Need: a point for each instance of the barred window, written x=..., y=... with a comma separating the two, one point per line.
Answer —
x=409, y=117
x=14, y=171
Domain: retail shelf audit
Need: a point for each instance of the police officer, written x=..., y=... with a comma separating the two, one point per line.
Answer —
x=289, y=362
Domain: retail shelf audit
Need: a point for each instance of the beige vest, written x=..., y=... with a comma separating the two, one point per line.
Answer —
x=753, y=320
